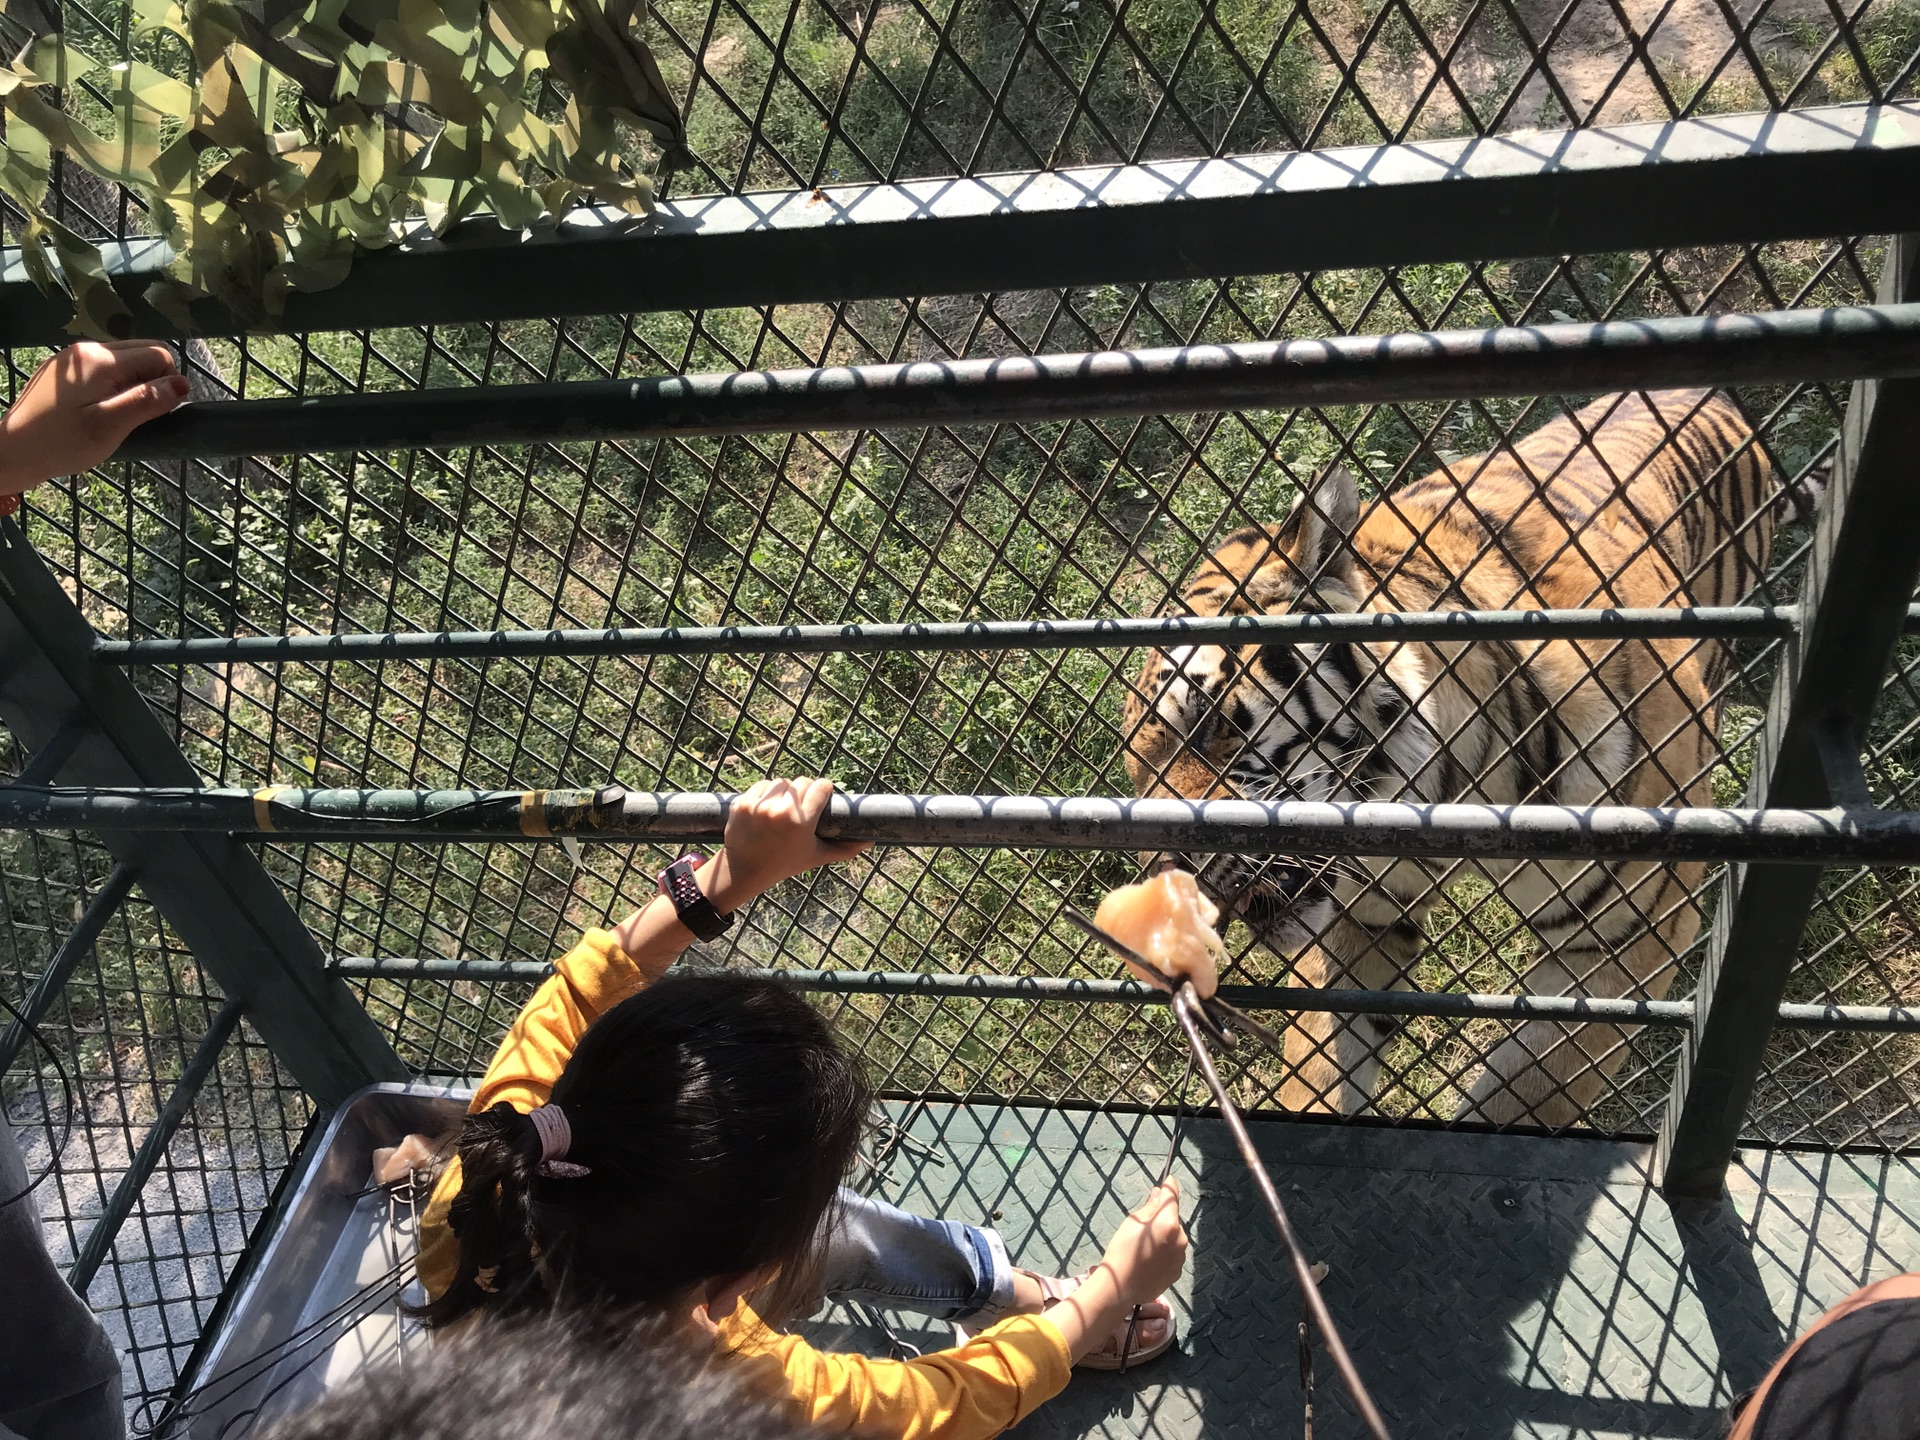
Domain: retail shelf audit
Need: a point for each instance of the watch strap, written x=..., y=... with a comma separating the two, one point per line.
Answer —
x=696, y=912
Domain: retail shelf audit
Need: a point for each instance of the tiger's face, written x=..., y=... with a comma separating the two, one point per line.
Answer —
x=1277, y=722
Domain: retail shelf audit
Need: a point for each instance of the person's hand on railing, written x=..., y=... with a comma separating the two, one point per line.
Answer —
x=772, y=835
x=78, y=407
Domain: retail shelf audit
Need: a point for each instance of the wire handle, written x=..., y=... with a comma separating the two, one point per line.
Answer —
x=67, y=1092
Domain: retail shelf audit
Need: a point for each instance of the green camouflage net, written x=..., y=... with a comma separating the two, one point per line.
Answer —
x=271, y=143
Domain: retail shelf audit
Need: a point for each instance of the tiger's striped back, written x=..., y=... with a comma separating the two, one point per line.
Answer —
x=1638, y=500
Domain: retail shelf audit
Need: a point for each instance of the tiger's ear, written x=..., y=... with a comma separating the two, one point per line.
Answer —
x=1318, y=533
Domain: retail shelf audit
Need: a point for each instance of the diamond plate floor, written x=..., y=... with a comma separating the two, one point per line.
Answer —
x=1488, y=1285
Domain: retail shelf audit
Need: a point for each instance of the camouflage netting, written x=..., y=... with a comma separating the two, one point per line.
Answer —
x=269, y=144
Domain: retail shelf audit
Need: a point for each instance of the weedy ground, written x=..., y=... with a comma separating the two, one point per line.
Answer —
x=1016, y=521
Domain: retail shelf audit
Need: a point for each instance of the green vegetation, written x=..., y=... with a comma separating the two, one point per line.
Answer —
x=1085, y=518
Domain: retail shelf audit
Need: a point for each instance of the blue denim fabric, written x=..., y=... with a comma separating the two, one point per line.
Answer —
x=880, y=1255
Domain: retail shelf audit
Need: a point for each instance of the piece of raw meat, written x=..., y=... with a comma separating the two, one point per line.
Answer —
x=394, y=1163
x=1170, y=923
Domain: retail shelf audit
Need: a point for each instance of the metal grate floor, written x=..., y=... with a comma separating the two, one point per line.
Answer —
x=1488, y=1285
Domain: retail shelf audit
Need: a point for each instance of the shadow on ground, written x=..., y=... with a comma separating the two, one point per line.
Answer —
x=1487, y=1285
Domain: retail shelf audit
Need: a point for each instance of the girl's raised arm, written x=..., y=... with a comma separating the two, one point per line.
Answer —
x=770, y=837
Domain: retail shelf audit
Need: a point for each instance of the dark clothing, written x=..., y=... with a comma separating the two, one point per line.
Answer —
x=1855, y=1378
x=59, y=1378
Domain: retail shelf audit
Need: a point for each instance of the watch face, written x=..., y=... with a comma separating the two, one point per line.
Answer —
x=696, y=912
x=685, y=865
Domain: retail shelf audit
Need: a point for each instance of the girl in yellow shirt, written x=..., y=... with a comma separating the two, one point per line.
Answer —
x=678, y=1143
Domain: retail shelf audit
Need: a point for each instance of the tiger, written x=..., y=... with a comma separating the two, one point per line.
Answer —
x=1637, y=500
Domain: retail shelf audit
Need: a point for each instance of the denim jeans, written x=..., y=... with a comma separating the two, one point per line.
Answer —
x=59, y=1378
x=880, y=1255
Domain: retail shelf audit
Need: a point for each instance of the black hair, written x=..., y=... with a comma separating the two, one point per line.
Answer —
x=582, y=1377
x=716, y=1118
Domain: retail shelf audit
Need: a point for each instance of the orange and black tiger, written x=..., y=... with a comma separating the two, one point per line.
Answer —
x=1640, y=500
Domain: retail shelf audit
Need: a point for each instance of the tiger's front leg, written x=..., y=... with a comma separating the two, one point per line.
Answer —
x=1624, y=945
x=1333, y=1061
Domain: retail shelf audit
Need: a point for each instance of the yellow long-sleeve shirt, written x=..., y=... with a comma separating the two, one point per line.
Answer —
x=970, y=1393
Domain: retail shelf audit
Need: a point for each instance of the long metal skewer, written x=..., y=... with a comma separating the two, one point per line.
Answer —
x=1186, y=1009
x=1216, y=1013
x=1199, y=1018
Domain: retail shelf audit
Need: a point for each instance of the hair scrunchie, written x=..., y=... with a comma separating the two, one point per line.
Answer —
x=556, y=1138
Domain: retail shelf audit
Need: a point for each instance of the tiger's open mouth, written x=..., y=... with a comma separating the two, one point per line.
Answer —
x=1287, y=923
x=1285, y=902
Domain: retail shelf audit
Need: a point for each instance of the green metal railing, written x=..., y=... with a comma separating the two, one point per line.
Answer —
x=132, y=654
x=1727, y=622
x=1052, y=822
x=1293, y=999
x=1809, y=345
x=1685, y=182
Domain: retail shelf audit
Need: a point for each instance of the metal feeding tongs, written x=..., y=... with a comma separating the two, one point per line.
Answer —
x=1214, y=1015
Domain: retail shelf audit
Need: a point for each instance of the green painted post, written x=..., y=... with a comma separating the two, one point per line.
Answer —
x=211, y=888
x=1860, y=580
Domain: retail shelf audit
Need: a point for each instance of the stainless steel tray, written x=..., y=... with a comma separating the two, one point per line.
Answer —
x=327, y=1298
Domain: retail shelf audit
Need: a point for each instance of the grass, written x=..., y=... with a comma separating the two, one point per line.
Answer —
x=1070, y=519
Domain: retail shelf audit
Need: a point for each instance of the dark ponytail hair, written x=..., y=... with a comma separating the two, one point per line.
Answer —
x=716, y=1117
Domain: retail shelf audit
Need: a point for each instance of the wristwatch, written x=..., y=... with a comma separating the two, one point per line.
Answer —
x=696, y=912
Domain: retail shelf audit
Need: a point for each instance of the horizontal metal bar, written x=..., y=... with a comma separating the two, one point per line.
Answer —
x=1728, y=622
x=77, y=945
x=1844, y=343
x=1086, y=991
x=1884, y=1018
x=1850, y=170
x=153, y=1147
x=1053, y=822
x=1050, y=988
x=1299, y=999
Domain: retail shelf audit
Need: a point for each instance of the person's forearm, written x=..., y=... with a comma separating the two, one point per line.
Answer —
x=653, y=937
x=772, y=834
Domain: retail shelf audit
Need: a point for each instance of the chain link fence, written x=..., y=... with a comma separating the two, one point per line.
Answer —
x=121, y=1030
x=1012, y=521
